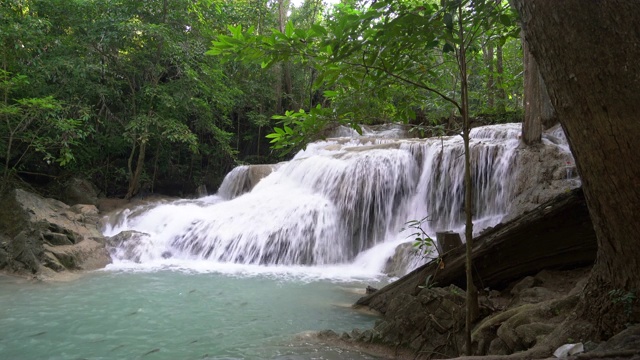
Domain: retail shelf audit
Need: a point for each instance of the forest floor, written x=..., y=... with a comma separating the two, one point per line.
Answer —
x=529, y=299
x=544, y=288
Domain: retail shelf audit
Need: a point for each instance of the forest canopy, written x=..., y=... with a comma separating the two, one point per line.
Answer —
x=151, y=97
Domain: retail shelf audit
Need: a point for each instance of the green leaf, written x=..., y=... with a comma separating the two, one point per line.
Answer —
x=448, y=21
x=506, y=20
x=319, y=30
x=288, y=30
x=300, y=34
x=266, y=64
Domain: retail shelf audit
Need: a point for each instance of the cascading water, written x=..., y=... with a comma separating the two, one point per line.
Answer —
x=340, y=202
x=277, y=251
x=440, y=196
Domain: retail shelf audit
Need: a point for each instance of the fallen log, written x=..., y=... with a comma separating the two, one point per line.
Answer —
x=556, y=235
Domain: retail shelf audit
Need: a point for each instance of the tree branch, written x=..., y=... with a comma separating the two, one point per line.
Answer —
x=408, y=81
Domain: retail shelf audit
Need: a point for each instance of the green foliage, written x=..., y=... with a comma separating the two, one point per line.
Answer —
x=399, y=57
x=37, y=125
x=306, y=124
x=423, y=243
x=131, y=78
x=135, y=74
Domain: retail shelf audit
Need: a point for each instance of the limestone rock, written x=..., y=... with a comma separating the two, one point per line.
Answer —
x=126, y=245
x=79, y=191
x=397, y=264
x=4, y=256
x=625, y=340
x=46, y=232
x=429, y=322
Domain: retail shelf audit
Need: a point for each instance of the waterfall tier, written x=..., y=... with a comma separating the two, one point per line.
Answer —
x=341, y=197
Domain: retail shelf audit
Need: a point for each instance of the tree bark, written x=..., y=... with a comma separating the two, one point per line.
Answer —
x=538, y=110
x=472, y=308
x=490, y=87
x=588, y=52
x=134, y=176
x=501, y=95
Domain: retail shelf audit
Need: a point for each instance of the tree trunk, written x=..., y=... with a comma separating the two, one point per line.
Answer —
x=472, y=308
x=538, y=110
x=490, y=87
x=134, y=177
x=280, y=68
x=588, y=52
x=501, y=95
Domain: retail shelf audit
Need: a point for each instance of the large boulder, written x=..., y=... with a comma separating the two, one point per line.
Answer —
x=430, y=323
x=40, y=234
x=79, y=191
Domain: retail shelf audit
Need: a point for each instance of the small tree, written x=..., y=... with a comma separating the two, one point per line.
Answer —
x=399, y=41
x=35, y=125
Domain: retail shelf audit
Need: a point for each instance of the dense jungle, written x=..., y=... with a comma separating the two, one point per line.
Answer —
x=296, y=140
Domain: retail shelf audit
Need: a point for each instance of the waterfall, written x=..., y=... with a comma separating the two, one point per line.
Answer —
x=440, y=196
x=340, y=201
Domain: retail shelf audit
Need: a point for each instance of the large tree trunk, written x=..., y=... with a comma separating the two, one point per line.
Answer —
x=538, y=110
x=501, y=95
x=490, y=87
x=588, y=52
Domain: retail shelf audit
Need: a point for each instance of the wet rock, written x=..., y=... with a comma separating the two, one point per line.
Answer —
x=327, y=334
x=4, y=257
x=431, y=321
x=244, y=178
x=550, y=172
x=26, y=249
x=106, y=205
x=126, y=245
x=401, y=260
x=201, y=191
x=51, y=261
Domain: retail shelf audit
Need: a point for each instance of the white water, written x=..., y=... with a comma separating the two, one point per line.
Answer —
x=335, y=211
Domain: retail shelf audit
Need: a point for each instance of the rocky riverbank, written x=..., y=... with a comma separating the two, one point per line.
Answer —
x=523, y=321
x=531, y=273
x=46, y=238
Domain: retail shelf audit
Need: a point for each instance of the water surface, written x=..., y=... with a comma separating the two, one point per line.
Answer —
x=170, y=314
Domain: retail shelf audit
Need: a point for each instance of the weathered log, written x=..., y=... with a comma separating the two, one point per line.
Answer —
x=556, y=235
x=447, y=241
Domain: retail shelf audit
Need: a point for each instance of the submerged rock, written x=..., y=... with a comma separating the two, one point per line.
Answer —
x=126, y=245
